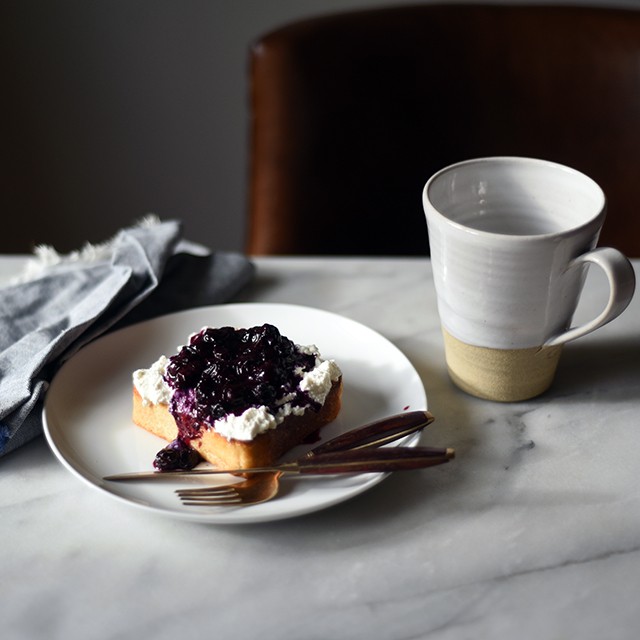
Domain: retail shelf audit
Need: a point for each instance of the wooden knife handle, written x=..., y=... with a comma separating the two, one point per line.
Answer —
x=376, y=433
x=375, y=460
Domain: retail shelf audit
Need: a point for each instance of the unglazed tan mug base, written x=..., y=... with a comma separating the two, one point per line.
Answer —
x=503, y=375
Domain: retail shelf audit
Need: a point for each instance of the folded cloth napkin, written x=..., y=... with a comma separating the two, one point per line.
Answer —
x=64, y=302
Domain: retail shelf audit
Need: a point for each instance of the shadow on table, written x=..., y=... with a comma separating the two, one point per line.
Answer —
x=610, y=368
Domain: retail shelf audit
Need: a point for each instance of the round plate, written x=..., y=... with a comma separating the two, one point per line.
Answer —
x=87, y=413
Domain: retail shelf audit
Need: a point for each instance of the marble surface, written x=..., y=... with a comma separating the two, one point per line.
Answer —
x=533, y=532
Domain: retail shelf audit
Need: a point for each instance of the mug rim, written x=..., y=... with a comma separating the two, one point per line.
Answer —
x=522, y=160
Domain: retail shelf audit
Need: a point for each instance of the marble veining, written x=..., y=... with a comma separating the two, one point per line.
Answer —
x=533, y=532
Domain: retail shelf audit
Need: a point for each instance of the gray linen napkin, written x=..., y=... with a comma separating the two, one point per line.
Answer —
x=145, y=271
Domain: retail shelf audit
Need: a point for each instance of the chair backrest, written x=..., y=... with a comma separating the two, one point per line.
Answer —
x=351, y=113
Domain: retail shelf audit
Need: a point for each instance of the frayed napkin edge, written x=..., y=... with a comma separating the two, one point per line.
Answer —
x=45, y=257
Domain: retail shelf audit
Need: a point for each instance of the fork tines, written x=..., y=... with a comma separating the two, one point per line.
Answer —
x=209, y=496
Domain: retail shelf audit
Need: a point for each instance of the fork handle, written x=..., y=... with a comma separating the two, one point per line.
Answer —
x=367, y=460
x=376, y=433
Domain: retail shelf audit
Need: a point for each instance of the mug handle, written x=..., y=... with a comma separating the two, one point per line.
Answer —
x=622, y=281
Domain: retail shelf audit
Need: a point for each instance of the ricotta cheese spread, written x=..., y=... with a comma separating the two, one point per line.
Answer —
x=150, y=383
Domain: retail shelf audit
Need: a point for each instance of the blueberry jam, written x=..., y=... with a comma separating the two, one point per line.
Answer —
x=225, y=371
x=176, y=455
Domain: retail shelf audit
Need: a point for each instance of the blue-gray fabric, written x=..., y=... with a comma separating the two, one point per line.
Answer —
x=152, y=271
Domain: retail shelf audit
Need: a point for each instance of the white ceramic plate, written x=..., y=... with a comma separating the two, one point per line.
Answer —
x=87, y=413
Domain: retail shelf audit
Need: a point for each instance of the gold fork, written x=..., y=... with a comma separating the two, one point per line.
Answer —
x=372, y=434
x=265, y=483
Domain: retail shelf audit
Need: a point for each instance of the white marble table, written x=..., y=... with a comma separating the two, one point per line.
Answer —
x=533, y=532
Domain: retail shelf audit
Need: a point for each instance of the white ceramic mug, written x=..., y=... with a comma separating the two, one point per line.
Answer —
x=510, y=241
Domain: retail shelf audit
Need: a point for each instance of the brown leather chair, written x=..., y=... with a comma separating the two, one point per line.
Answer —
x=351, y=113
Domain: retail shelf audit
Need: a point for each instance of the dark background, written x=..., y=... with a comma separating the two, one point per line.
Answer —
x=112, y=109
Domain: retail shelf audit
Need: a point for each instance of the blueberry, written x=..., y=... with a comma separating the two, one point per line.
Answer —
x=176, y=456
x=226, y=370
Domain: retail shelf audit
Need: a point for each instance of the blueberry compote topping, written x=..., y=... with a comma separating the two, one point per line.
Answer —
x=176, y=455
x=225, y=371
